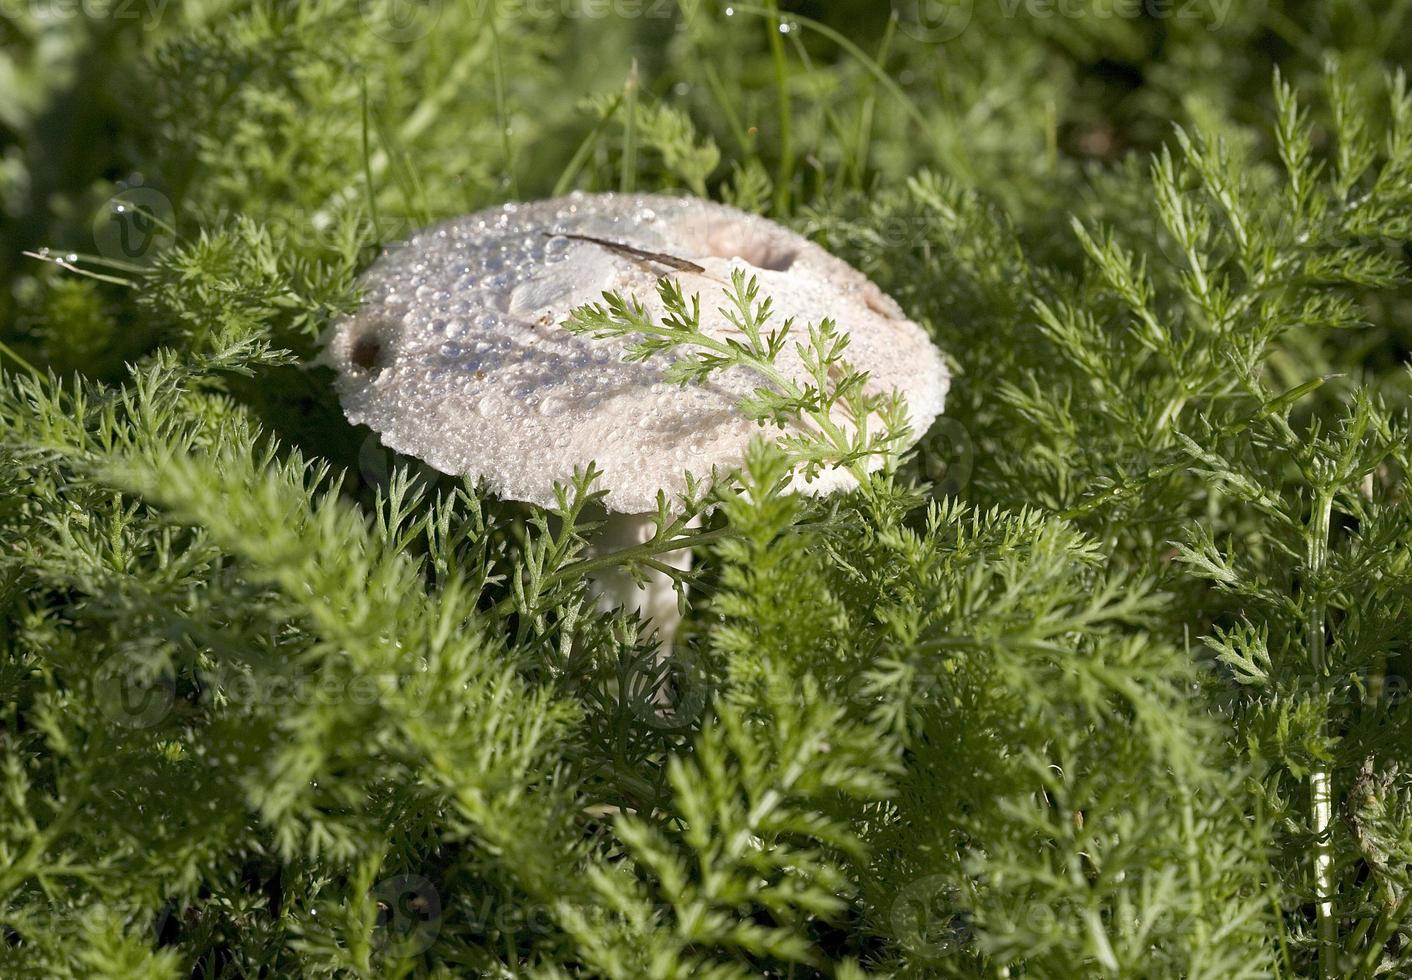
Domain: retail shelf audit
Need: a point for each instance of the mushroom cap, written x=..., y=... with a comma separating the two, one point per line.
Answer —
x=457, y=355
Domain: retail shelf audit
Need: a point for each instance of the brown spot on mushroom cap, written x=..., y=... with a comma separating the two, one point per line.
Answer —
x=365, y=351
x=732, y=240
x=457, y=375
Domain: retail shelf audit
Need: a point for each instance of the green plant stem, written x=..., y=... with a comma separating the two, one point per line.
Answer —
x=643, y=552
x=723, y=102
x=648, y=549
x=502, y=115
x=580, y=157
x=9, y=352
x=870, y=64
x=1320, y=781
x=428, y=111
x=368, y=171
x=786, y=169
x=629, y=175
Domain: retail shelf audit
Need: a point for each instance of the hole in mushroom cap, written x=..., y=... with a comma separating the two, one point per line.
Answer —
x=881, y=303
x=734, y=241
x=366, y=350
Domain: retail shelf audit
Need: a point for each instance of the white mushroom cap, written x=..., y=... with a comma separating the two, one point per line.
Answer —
x=457, y=355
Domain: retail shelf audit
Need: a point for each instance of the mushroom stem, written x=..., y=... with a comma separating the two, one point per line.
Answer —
x=655, y=602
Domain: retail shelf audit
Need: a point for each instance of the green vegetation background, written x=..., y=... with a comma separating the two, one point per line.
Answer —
x=1109, y=678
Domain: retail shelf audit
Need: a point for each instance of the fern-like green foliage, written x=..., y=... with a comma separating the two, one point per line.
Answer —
x=1104, y=676
x=829, y=412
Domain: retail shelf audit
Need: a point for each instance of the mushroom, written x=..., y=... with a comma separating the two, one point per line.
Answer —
x=457, y=355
